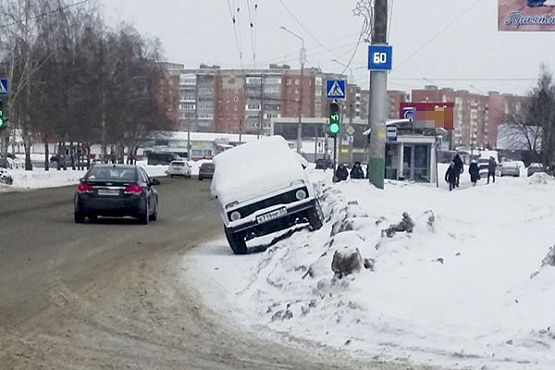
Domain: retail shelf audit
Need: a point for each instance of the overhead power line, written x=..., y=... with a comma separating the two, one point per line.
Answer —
x=308, y=31
x=234, y=22
x=46, y=14
x=467, y=79
x=437, y=34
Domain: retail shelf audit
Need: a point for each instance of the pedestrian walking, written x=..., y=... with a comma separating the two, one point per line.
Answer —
x=451, y=175
x=357, y=172
x=474, y=172
x=459, y=168
x=341, y=173
x=492, y=166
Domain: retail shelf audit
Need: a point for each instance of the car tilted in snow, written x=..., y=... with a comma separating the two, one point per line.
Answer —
x=262, y=188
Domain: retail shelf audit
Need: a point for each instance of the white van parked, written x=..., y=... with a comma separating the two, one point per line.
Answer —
x=262, y=188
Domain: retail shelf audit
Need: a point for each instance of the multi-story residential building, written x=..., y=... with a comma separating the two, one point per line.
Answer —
x=395, y=98
x=169, y=90
x=471, y=115
x=477, y=117
x=214, y=99
x=500, y=105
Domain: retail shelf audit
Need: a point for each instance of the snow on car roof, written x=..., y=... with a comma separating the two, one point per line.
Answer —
x=255, y=168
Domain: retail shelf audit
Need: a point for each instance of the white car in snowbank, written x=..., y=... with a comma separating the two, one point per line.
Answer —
x=262, y=188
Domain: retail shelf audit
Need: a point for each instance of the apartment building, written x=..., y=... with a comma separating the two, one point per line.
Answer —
x=471, y=116
x=477, y=116
x=227, y=100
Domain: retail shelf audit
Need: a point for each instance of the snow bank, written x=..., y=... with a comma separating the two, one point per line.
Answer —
x=255, y=168
x=540, y=178
x=38, y=178
x=467, y=288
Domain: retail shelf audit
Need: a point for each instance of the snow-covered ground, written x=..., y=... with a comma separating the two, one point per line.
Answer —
x=465, y=290
x=39, y=178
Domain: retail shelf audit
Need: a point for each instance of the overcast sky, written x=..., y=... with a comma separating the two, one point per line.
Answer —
x=447, y=43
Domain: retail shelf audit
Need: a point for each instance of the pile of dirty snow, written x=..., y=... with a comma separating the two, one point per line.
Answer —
x=456, y=279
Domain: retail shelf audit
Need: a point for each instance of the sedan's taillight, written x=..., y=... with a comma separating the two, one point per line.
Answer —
x=84, y=188
x=133, y=189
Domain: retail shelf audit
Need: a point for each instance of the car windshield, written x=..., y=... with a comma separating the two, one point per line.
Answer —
x=111, y=174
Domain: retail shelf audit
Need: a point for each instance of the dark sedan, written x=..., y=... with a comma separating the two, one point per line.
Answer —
x=206, y=171
x=116, y=190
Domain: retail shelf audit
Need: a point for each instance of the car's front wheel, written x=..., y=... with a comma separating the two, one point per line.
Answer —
x=315, y=217
x=236, y=242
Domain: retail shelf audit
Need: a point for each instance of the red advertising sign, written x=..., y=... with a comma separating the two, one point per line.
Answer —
x=526, y=15
x=429, y=115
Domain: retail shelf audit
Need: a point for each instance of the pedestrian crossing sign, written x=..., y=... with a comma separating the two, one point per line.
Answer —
x=335, y=89
x=3, y=86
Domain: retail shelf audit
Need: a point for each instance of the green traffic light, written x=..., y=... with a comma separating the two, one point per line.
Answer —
x=333, y=127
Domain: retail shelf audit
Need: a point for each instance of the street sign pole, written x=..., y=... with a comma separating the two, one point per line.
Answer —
x=379, y=62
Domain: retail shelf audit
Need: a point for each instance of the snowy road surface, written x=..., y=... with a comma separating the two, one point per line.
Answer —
x=112, y=295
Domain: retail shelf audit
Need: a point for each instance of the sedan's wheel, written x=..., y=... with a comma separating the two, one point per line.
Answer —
x=200, y=178
x=154, y=216
x=92, y=217
x=143, y=216
x=171, y=176
x=78, y=214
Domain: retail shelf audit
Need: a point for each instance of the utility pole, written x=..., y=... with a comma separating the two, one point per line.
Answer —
x=261, y=112
x=300, y=124
x=302, y=60
x=196, y=120
x=378, y=101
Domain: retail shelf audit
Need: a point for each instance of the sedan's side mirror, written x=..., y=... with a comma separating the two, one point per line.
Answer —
x=154, y=182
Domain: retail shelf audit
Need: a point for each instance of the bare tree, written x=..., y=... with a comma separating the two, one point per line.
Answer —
x=533, y=125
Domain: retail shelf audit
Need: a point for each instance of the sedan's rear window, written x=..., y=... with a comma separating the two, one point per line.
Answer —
x=111, y=174
x=178, y=164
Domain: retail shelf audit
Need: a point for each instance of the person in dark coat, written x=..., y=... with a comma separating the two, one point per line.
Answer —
x=451, y=175
x=492, y=166
x=459, y=166
x=357, y=172
x=474, y=172
x=341, y=173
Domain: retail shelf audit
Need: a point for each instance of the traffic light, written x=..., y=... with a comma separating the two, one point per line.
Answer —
x=2, y=119
x=333, y=125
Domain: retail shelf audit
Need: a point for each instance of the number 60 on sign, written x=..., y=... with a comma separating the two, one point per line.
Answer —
x=380, y=57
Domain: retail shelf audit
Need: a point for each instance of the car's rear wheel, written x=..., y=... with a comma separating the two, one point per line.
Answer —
x=200, y=178
x=144, y=216
x=78, y=214
x=236, y=242
x=154, y=216
x=315, y=217
x=171, y=176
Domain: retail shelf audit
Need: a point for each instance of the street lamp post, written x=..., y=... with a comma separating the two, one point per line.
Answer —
x=302, y=55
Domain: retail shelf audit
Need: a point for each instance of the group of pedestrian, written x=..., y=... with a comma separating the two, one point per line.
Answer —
x=456, y=168
x=342, y=174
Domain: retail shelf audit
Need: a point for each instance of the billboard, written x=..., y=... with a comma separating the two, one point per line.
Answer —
x=429, y=115
x=526, y=15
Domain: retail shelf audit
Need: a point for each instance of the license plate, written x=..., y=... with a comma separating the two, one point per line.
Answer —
x=271, y=215
x=108, y=192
